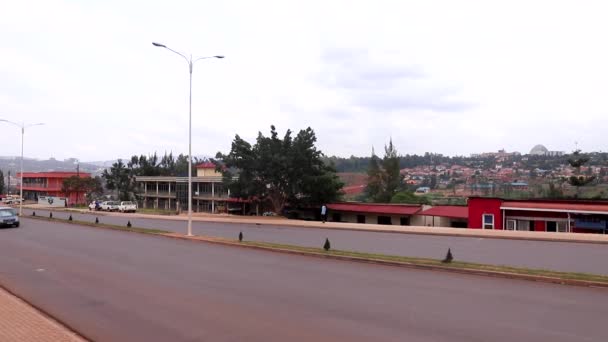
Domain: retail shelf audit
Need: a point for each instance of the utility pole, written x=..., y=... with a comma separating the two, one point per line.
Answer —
x=9, y=183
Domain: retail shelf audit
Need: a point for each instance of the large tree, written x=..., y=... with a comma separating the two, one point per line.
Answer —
x=81, y=185
x=119, y=178
x=280, y=170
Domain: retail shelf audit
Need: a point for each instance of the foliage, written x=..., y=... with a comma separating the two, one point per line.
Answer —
x=449, y=257
x=119, y=178
x=280, y=171
x=410, y=198
x=327, y=245
x=78, y=185
x=577, y=180
x=1, y=182
x=384, y=179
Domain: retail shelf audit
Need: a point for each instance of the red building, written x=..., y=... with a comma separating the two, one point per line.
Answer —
x=577, y=216
x=37, y=184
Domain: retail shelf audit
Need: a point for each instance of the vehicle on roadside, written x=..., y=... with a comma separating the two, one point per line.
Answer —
x=269, y=213
x=8, y=217
x=11, y=200
x=95, y=205
x=127, y=207
x=109, y=206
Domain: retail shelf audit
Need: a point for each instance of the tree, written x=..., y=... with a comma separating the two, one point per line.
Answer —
x=1, y=182
x=577, y=180
x=79, y=185
x=280, y=171
x=120, y=179
x=384, y=179
x=409, y=198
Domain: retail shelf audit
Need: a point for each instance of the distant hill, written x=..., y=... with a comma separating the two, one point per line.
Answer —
x=13, y=164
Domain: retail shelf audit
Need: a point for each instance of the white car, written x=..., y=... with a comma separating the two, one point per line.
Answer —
x=109, y=206
x=95, y=206
x=127, y=207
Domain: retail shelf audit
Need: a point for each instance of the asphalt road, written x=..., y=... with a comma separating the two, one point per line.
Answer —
x=559, y=256
x=118, y=286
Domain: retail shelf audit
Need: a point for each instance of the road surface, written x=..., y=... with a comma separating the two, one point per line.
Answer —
x=118, y=286
x=559, y=256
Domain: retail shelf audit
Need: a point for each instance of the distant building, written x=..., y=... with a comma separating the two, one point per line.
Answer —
x=423, y=190
x=171, y=193
x=540, y=150
x=36, y=184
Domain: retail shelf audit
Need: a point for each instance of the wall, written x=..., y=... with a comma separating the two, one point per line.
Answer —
x=539, y=226
x=480, y=206
x=207, y=172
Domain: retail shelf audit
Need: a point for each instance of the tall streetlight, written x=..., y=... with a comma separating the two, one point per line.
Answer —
x=190, y=64
x=23, y=127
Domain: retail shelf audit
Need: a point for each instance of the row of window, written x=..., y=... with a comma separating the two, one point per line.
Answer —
x=524, y=225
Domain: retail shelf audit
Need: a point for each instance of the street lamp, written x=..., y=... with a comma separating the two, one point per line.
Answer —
x=23, y=127
x=190, y=64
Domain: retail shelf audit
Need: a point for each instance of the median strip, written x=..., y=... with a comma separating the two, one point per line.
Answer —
x=548, y=276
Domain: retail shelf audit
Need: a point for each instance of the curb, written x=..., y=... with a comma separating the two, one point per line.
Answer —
x=468, y=271
x=297, y=224
x=46, y=314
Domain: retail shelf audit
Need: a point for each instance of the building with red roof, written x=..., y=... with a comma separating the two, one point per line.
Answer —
x=36, y=184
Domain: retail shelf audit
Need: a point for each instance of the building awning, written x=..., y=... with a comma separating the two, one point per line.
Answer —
x=577, y=208
x=450, y=211
x=391, y=209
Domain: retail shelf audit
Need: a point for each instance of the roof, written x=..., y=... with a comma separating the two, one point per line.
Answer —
x=353, y=189
x=397, y=209
x=53, y=174
x=589, y=208
x=206, y=165
x=451, y=211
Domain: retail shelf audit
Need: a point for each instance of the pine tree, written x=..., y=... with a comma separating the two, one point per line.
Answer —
x=1, y=182
x=577, y=180
x=374, y=187
x=393, y=177
x=70, y=218
x=96, y=220
x=327, y=245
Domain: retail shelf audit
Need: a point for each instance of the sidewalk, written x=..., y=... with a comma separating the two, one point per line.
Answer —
x=20, y=322
x=280, y=221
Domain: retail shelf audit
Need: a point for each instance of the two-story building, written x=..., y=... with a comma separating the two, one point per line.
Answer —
x=171, y=193
x=36, y=184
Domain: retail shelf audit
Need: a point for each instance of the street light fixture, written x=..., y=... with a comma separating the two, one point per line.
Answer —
x=23, y=127
x=190, y=64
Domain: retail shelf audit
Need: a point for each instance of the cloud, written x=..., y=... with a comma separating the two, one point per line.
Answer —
x=383, y=82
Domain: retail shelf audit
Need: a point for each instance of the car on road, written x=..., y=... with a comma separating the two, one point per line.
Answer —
x=127, y=207
x=109, y=206
x=11, y=200
x=8, y=217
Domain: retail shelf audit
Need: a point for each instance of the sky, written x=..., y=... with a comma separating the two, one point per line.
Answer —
x=450, y=77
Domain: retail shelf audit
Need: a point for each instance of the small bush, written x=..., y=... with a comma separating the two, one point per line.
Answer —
x=448, y=257
x=327, y=245
x=70, y=218
x=240, y=236
x=129, y=224
x=96, y=220
x=34, y=213
x=50, y=215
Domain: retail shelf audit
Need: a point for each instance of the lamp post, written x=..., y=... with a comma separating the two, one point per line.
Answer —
x=190, y=64
x=23, y=127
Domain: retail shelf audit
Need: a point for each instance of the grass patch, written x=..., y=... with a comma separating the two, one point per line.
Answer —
x=156, y=211
x=103, y=225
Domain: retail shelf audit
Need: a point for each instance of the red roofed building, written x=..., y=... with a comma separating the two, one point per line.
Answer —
x=447, y=216
x=36, y=184
x=578, y=216
x=376, y=213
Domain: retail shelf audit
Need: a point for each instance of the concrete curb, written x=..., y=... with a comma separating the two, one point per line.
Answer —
x=495, y=274
x=47, y=315
x=433, y=231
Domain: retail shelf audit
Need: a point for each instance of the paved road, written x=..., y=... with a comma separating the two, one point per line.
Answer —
x=560, y=256
x=117, y=286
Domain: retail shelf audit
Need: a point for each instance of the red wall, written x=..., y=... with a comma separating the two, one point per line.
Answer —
x=480, y=206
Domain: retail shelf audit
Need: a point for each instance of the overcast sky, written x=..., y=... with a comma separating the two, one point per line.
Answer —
x=452, y=77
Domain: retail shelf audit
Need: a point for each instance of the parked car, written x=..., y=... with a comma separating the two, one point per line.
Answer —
x=8, y=217
x=127, y=207
x=11, y=200
x=95, y=205
x=109, y=206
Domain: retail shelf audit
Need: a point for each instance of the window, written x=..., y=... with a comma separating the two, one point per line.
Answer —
x=523, y=225
x=360, y=218
x=404, y=221
x=336, y=217
x=511, y=224
x=488, y=221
